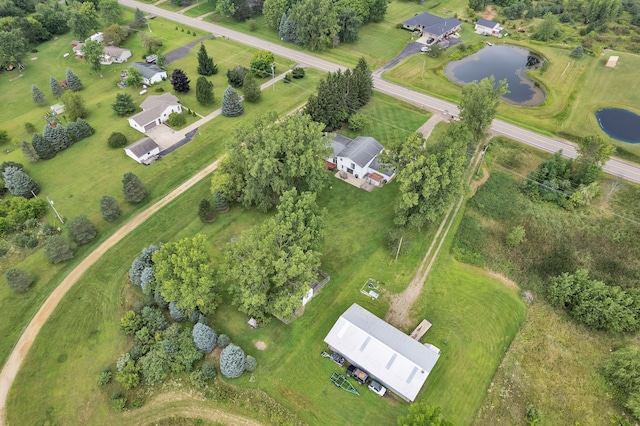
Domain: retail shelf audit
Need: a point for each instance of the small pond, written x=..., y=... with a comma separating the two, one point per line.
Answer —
x=502, y=62
x=620, y=124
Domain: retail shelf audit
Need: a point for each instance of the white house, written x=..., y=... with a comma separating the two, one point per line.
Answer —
x=58, y=108
x=143, y=150
x=486, y=27
x=97, y=37
x=359, y=157
x=391, y=357
x=115, y=55
x=155, y=111
x=151, y=73
x=432, y=26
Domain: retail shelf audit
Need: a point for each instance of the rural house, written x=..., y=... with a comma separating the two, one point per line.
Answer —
x=143, y=150
x=155, y=111
x=359, y=157
x=391, y=357
x=115, y=55
x=486, y=27
x=432, y=26
x=151, y=73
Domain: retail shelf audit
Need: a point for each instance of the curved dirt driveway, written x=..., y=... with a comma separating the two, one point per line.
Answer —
x=11, y=368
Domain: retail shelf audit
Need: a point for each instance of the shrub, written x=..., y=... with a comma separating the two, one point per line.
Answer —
x=204, y=337
x=58, y=249
x=133, y=189
x=176, y=313
x=232, y=361
x=235, y=76
x=197, y=379
x=221, y=203
x=137, y=403
x=157, y=297
x=516, y=236
x=176, y=120
x=109, y=208
x=147, y=278
x=119, y=404
x=117, y=140
x=26, y=240
x=252, y=24
x=205, y=212
x=577, y=52
x=82, y=230
x=209, y=370
x=154, y=319
x=250, y=363
x=223, y=340
x=357, y=122
x=203, y=319
x=104, y=377
x=18, y=280
x=297, y=72
x=130, y=323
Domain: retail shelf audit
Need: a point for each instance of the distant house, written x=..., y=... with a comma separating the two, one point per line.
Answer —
x=391, y=357
x=57, y=108
x=486, y=27
x=155, y=111
x=151, y=73
x=115, y=55
x=143, y=151
x=77, y=47
x=359, y=157
x=432, y=26
x=97, y=37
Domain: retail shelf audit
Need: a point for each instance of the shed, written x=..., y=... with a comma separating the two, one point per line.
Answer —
x=143, y=150
x=612, y=62
x=394, y=359
x=58, y=108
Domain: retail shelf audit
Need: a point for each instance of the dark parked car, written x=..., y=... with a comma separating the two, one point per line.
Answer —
x=361, y=376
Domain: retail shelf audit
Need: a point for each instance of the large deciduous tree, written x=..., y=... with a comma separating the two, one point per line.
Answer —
x=13, y=47
x=316, y=22
x=261, y=63
x=83, y=19
x=206, y=66
x=187, y=276
x=269, y=157
x=74, y=105
x=179, y=81
x=110, y=11
x=272, y=266
x=421, y=414
x=93, y=53
x=350, y=23
x=273, y=11
x=429, y=181
x=480, y=103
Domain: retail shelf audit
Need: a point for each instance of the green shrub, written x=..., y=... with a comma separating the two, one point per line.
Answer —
x=58, y=249
x=232, y=361
x=223, y=340
x=516, y=236
x=18, y=280
x=117, y=140
x=137, y=403
x=104, y=377
x=119, y=404
x=357, y=122
x=250, y=363
x=252, y=24
x=82, y=230
x=176, y=120
x=26, y=240
x=209, y=370
x=297, y=72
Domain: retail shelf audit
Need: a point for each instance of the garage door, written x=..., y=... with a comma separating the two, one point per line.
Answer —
x=150, y=126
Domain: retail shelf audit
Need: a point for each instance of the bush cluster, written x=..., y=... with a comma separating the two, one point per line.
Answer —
x=18, y=280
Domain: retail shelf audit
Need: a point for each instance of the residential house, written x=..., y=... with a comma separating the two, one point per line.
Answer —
x=155, y=111
x=151, y=73
x=359, y=157
x=432, y=26
x=143, y=151
x=391, y=357
x=97, y=37
x=115, y=55
x=486, y=27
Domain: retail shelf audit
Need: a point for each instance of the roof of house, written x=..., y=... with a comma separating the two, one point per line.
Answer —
x=152, y=107
x=147, y=70
x=360, y=150
x=433, y=24
x=389, y=355
x=142, y=146
x=381, y=167
x=115, y=51
x=486, y=23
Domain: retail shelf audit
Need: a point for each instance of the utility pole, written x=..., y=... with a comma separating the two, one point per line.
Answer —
x=149, y=26
x=54, y=209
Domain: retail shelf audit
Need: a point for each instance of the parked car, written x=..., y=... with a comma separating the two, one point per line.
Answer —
x=424, y=49
x=430, y=40
x=361, y=376
x=151, y=59
x=377, y=388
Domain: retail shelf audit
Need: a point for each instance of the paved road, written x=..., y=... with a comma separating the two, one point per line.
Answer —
x=615, y=167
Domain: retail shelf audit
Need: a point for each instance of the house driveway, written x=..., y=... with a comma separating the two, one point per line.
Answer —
x=183, y=51
x=163, y=135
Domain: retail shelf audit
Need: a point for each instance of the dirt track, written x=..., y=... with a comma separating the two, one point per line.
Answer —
x=11, y=368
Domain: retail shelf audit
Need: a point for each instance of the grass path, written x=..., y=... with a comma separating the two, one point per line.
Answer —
x=20, y=351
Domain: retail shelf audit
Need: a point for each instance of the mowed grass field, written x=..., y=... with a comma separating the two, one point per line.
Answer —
x=83, y=337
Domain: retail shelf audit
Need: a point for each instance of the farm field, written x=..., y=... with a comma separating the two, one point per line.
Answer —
x=350, y=258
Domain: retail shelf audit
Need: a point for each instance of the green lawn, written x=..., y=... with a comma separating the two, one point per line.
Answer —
x=194, y=12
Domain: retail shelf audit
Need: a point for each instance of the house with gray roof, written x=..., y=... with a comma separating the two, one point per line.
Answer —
x=359, y=157
x=115, y=55
x=390, y=356
x=432, y=26
x=486, y=27
x=151, y=73
x=143, y=151
x=155, y=111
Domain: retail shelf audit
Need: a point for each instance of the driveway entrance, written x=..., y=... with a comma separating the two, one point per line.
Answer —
x=163, y=135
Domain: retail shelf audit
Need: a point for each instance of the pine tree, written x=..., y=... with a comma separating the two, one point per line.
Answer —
x=124, y=104
x=84, y=129
x=204, y=91
x=59, y=138
x=251, y=89
x=19, y=183
x=363, y=82
x=231, y=103
x=288, y=30
x=56, y=89
x=109, y=208
x=28, y=151
x=221, y=203
x=73, y=82
x=133, y=189
x=43, y=148
x=179, y=81
x=205, y=63
x=139, y=18
x=72, y=132
x=37, y=96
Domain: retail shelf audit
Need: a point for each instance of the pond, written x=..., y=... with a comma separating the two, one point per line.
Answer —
x=502, y=62
x=620, y=124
